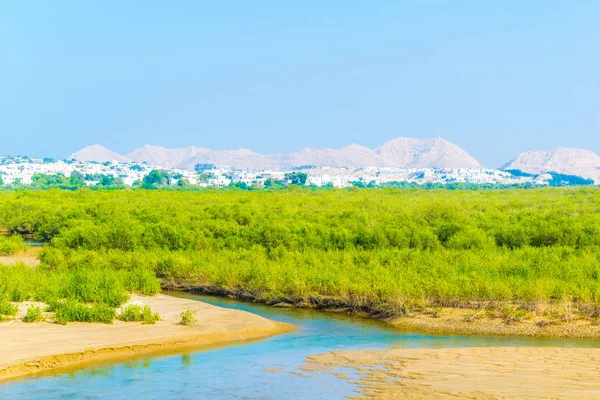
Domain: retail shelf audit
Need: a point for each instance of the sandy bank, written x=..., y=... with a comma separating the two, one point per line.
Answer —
x=28, y=257
x=540, y=320
x=470, y=373
x=32, y=348
x=461, y=322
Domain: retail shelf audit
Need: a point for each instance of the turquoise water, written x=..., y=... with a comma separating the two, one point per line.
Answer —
x=240, y=371
x=34, y=244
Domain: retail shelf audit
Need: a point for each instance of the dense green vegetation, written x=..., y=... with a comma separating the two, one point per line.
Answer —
x=70, y=310
x=83, y=293
x=10, y=245
x=384, y=250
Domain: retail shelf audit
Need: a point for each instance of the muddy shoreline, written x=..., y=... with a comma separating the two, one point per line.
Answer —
x=449, y=320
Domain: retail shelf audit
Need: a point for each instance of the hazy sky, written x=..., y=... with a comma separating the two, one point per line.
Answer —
x=495, y=77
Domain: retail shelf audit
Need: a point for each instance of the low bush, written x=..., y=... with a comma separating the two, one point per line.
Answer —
x=34, y=314
x=130, y=313
x=7, y=308
x=135, y=313
x=188, y=317
x=149, y=317
x=72, y=311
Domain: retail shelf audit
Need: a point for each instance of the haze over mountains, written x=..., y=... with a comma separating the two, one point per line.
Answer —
x=579, y=162
x=401, y=152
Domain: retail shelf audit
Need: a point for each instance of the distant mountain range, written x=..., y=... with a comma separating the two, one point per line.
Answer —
x=99, y=154
x=400, y=152
x=579, y=162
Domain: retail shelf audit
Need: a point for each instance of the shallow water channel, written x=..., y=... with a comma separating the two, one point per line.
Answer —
x=266, y=369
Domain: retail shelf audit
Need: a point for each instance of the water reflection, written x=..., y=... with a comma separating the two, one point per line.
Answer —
x=186, y=360
x=137, y=364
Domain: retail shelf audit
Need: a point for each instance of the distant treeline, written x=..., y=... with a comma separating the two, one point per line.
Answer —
x=557, y=179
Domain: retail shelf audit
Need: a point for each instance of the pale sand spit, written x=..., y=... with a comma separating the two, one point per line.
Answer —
x=30, y=348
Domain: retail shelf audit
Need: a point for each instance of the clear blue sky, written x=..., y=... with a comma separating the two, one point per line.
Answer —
x=496, y=77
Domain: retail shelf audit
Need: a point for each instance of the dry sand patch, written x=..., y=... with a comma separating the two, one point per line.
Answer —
x=471, y=373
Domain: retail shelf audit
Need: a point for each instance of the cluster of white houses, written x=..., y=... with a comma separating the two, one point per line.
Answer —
x=22, y=169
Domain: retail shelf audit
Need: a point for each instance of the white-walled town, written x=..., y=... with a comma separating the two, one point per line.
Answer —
x=23, y=170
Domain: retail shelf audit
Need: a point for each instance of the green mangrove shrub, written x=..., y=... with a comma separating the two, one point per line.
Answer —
x=386, y=250
x=188, y=317
x=72, y=311
x=10, y=245
x=136, y=313
x=33, y=314
x=7, y=308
